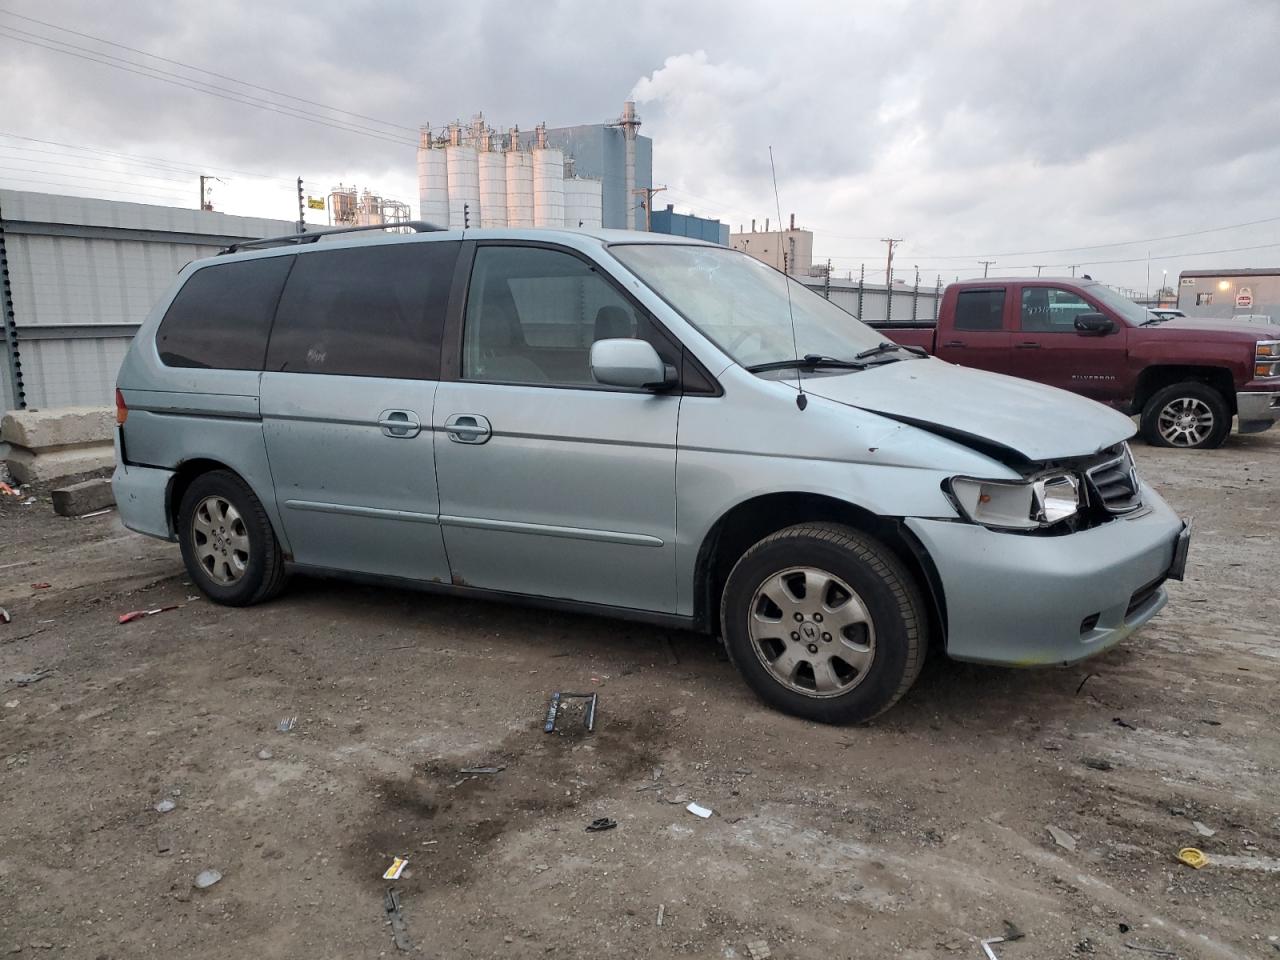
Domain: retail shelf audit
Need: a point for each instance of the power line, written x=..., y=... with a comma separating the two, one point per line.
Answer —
x=83, y=165
x=194, y=168
x=168, y=198
x=78, y=177
x=189, y=84
x=220, y=76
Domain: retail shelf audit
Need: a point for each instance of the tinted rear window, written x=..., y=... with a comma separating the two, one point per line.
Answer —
x=369, y=311
x=221, y=317
x=980, y=310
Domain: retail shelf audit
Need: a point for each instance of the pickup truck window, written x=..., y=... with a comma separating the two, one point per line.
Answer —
x=742, y=305
x=980, y=310
x=1051, y=310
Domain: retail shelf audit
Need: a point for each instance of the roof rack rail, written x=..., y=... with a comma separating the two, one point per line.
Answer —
x=418, y=226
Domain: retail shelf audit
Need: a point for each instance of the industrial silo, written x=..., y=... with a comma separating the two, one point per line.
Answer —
x=433, y=182
x=583, y=204
x=464, y=185
x=519, y=187
x=493, y=189
x=548, y=187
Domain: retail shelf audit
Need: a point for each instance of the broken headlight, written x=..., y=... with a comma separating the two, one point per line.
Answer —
x=1018, y=504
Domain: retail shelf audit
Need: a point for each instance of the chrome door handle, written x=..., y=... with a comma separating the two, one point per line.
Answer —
x=1027, y=345
x=954, y=343
x=399, y=424
x=468, y=428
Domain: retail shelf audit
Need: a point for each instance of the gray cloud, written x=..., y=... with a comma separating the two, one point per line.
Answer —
x=966, y=127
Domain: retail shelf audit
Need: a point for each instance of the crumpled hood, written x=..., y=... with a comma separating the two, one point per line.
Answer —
x=1035, y=421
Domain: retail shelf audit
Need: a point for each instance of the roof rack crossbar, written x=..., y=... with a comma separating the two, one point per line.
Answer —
x=296, y=239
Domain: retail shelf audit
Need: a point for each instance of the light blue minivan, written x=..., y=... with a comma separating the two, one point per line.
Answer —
x=637, y=426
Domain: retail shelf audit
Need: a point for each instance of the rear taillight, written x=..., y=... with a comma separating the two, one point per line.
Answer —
x=122, y=409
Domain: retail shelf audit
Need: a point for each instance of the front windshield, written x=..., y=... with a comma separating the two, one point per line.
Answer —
x=1132, y=312
x=740, y=304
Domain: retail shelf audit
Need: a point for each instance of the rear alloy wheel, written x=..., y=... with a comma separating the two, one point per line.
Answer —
x=1188, y=415
x=228, y=544
x=824, y=622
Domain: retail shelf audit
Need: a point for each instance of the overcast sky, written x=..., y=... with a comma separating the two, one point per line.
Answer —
x=972, y=130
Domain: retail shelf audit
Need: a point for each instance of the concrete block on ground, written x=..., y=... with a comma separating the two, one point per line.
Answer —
x=45, y=445
x=58, y=427
x=84, y=497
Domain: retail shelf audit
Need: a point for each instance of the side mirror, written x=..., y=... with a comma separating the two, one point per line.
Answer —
x=1095, y=324
x=630, y=363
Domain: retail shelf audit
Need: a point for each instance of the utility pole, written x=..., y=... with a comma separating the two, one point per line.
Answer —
x=1039, y=267
x=888, y=267
x=1073, y=268
x=203, y=205
x=302, y=209
x=647, y=202
x=986, y=265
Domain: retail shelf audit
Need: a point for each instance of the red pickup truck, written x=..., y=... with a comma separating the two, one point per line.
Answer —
x=1186, y=378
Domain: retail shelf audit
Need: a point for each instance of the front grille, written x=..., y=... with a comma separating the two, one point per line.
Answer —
x=1114, y=483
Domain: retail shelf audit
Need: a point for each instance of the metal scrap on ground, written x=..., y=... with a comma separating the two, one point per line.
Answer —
x=399, y=932
x=139, y=614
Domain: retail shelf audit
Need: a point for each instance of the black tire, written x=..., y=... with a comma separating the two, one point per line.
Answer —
x=888, y=591
x=1191, y=396
x=264, y=571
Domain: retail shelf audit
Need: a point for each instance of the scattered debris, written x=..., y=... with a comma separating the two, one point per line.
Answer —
x=1124, y=928
x=287, y=724
x=9, y=491
x=26, y=679
x=139, y=614
x=480, y=770
x=600, y=824
x=399, y=932
x=1156, y=950
x=1051, y=745
x=1203, y=830
x=11, y=704
x=1192, y=857
x=41, y=586
x=96, y=513
x=165, y=805
x=1062, y=838
x=164, y=843
x=1211, y=723
x=1087, y=678
x=1122, y=722
x=4, y=616
x=698, y=811
x=265, y=754
x=397, y=867
x=1010, y=934
x=1097, y=763
x=207, y=878
x=557, y=705
x=759, y=950
x=662, y=912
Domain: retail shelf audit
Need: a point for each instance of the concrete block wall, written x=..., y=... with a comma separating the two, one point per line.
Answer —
x=46, y=445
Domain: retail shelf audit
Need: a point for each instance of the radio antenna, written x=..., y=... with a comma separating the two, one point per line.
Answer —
x=801, y=400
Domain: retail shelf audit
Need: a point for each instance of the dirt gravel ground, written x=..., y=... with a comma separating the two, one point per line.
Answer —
x=913, y=837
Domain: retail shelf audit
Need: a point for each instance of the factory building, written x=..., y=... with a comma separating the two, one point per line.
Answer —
x=687, y=225
x=789, y=250
x=1230, y=293
x=470, y=175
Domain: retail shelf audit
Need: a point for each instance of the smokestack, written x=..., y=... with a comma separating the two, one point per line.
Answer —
x=630, y=124
x=542, y=135
x=766, y=224
x=793, y=221
x=753, y=224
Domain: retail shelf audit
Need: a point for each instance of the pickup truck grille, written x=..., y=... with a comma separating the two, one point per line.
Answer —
x=1114, y=483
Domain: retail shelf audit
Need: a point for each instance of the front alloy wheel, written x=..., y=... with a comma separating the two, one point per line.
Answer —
x=812, y=632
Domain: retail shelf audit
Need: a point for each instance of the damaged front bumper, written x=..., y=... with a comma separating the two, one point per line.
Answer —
x=1023, y=600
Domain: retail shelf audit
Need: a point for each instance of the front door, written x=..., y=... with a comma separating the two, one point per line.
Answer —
x=550, y=484
x=346, y=407
x=1047, y=347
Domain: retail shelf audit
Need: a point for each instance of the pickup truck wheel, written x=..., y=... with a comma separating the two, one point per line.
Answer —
x=1188, y=415
x=825, y=623
x=228, y=545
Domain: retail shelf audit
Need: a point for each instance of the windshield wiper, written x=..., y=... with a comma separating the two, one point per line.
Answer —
x=810, y=361
x=887, y=346
x=1153, y=321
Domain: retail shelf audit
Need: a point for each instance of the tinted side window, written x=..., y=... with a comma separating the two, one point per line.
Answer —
x=1051, y=310
x=533, y=314
x=369, y=311
x=222, y=315
x=980, y=310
